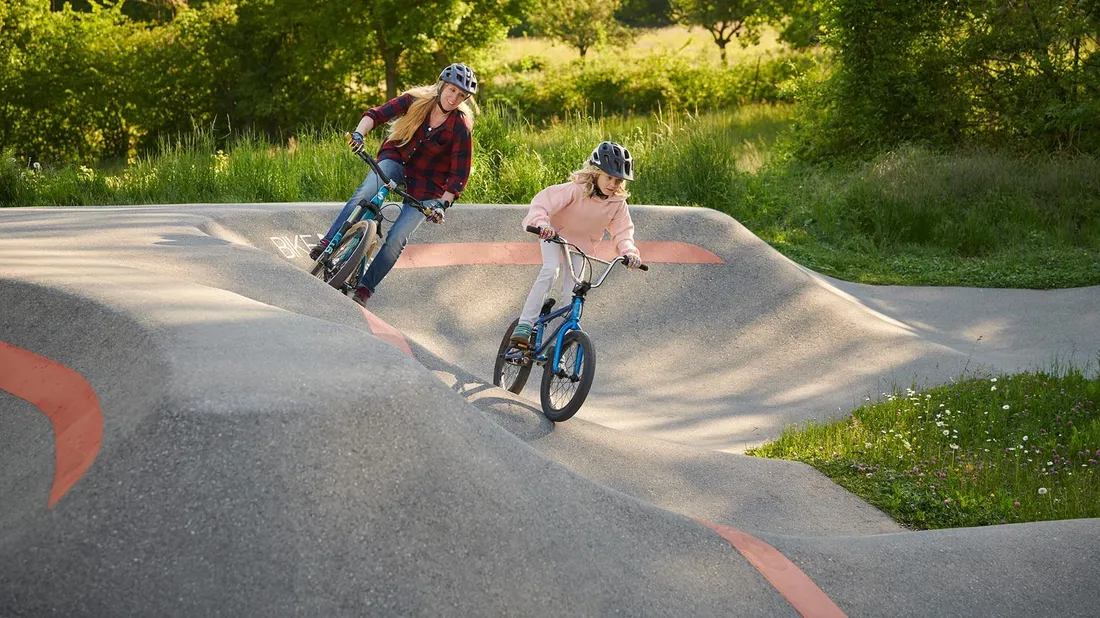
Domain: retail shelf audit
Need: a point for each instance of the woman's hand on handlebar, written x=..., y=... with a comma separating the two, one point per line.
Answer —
x=435, y=215
x=355, y=142
x=433, y=209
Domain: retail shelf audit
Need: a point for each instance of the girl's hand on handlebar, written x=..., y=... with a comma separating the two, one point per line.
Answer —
x=546, y=232
x=632, y=260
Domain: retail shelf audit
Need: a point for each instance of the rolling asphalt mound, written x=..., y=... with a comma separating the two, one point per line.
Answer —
x=53, y=319
x=259, y=476
x=263, y=453
x=724, y=356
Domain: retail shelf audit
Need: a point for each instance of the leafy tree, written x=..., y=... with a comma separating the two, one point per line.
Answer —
x=66, y=92
x=294, y=58
x=189, y=71
x=162, y=11
x=1025, y=74
x=581, y=24
x=457, y=35
x=724, y=19
x=799, y=21
x=645, y=13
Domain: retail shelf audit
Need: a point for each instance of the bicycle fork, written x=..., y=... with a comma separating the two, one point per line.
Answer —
x=574, y=323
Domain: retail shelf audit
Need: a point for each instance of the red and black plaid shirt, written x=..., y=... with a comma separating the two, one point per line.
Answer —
x=436, y=159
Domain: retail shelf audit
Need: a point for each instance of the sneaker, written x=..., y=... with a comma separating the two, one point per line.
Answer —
x=521, y=336
x=318, y=249
x=360, y=295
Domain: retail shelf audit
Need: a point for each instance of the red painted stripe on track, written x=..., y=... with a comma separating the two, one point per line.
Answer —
x=384, y=331
x=795, y=586
x=526, y=253
x=70, y=403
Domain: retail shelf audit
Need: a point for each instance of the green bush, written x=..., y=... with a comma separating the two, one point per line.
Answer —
x=9, y=178
x=1018, y=75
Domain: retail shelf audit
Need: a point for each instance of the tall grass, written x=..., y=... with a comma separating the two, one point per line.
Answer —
x=910, y=216
x=985, y=450
x=203, y=167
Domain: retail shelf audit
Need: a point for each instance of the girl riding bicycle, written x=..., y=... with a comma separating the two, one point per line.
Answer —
x=429, y=148
x=580, y=210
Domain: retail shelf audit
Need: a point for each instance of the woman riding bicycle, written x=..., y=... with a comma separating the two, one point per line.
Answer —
x=429, y=148
x=580, y=210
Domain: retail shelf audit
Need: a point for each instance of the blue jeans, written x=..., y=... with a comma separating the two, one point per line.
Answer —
x=370, y=186
x=396, y=239
x=399, y=233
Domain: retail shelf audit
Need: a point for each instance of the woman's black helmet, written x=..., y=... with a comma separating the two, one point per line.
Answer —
x=614, y=160
x=461, y=76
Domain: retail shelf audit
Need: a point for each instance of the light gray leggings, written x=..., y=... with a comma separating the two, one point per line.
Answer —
x=551, y=260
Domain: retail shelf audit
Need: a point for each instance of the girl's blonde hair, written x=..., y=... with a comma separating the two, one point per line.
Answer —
x=588, y=175
x=403, y=129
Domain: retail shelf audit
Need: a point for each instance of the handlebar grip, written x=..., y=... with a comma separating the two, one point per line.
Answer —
x=643, y=267
x=533, y=229
x=369, y=160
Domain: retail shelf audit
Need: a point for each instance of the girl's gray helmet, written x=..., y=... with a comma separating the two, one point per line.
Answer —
x=614, y=160
x=461, y=76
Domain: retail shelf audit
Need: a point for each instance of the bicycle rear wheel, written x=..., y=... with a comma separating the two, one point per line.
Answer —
x=356, y=244
x=565, y=387
x=509, y=374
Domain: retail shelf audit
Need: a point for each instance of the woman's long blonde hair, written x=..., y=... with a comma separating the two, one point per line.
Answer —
x=403, y=129
x=588, y=175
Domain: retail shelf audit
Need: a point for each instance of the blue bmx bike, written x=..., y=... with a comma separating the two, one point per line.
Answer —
x=566, y=354
x=352, y=248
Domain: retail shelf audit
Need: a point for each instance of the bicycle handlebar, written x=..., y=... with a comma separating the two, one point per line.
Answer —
x=565, y=247
x=386, y=180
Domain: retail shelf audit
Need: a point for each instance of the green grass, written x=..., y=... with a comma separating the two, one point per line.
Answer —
x=909, y=217
x=984, y=450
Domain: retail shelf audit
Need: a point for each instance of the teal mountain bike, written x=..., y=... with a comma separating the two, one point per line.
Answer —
x=567, y=355
x=353, y=247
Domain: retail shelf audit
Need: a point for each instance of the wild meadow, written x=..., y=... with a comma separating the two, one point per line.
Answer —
x=986, y=449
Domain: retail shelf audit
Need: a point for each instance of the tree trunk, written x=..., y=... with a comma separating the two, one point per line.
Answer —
x=389, y=59
x=1076, y=45
x=755, y=80
x=391, y=75
x=722, y=47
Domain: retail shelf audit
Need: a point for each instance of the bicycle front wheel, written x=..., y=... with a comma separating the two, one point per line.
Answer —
x=510, y=374
x=356, y=244
x=566, y=386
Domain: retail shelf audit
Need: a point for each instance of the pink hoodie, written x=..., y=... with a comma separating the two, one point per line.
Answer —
x=582, y=220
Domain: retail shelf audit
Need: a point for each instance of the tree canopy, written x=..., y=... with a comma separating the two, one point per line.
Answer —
x=581, y=24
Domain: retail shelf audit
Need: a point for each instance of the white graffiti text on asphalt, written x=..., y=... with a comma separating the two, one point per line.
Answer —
x=295, y=246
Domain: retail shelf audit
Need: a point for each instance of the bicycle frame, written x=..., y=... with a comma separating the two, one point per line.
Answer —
x=574, y=309
x=369, y=209
x=357, y=215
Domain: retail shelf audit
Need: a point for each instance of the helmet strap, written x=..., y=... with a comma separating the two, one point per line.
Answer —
x=439, y=99
x=596, y=190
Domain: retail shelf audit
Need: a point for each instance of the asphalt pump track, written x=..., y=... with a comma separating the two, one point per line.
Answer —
x=190, y=424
